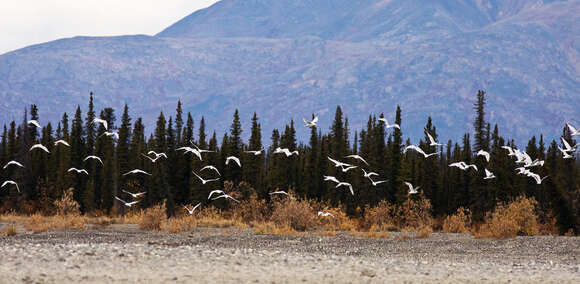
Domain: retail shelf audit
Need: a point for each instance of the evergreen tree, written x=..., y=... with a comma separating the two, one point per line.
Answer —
x=90, y=127
x=235, y=147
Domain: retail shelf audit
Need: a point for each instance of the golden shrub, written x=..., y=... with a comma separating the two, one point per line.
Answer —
x=510, y=220
x=460, y=222
x=380, y=216
x=153, y=217
x=252, y=210
x=414, y=215
x=298, y=214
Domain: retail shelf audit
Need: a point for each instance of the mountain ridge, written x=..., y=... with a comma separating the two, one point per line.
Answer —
x=518, y=60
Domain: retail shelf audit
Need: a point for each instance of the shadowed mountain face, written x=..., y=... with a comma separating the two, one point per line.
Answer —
x=287, y=59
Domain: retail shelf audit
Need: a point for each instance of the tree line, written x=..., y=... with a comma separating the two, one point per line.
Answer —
x=45, y=176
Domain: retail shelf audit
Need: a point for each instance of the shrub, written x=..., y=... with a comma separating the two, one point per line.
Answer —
x=252, y=210
x=414, y=215
x=380, y=216
x=153, y=217
x=510, y=220
x=340, y=221
x=298, y=214
x=66, y=205
x=460, y=222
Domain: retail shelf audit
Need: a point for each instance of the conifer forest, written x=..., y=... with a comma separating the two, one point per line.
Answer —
x=123, y=144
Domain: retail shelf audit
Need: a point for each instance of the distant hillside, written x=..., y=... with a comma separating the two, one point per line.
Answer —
x=288, y=59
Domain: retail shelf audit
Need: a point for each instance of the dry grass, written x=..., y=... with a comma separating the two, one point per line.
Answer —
x=213, y=217
x=270, y=228
x=153, y=218
x=510, y=220
x=38, y=223
x=179, y=224
x=424, y=232
x=460, y=222
x=10, y=230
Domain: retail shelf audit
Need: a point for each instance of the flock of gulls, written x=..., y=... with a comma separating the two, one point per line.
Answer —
x=522, y=159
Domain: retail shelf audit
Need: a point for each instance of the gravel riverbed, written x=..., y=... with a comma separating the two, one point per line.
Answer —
x=122, y=253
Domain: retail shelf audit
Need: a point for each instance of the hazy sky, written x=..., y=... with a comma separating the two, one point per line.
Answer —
x=26, y=22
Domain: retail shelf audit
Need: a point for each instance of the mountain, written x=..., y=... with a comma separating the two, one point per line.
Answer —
x=287, y=59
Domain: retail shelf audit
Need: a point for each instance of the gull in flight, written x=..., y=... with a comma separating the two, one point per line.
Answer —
x=344, y=170
x=39, y=146
x=536, y=177
x=566, y=155
x=211, y=168
x=157, y=156
x=432, y=141
x=101, y=121
x=358, y=157
x=192, y=209
x=285, y=151
x=412, y=190
x=375, y=183
x=136, y=171
x=135, y=195
x=278, y=192
x=484, y=154
x=61, y=142
x=226, y=196
x=34, y=122
x=369, y=174
x=93, y=158
x=488, y=174
x=235, y=159
x=201, y=151
x=567, y=146
x=535, y=163
x=11, y=182
x=191, y=150
x=113, y=134
x=510, y=150
x=339, y=164
x=331, y=178
x=325, y=214
x=522, y=171
x=204, y=181
x=81, y=171
x=312, y=123
x=217, y=191
x=128, y=204
x=394, y=125
x=573, y=131
x=255, y=153
x=523, y=157
x=13, y=163
x=419, y=150
x=347, y=185
x=463, y=166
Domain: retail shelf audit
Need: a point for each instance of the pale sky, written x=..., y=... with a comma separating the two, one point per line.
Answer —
x=26, y=22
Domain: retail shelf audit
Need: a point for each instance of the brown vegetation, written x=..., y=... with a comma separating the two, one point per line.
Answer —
x=509, y=220
x=460, y=222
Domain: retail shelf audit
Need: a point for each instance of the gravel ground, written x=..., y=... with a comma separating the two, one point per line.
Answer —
x=122, y=253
